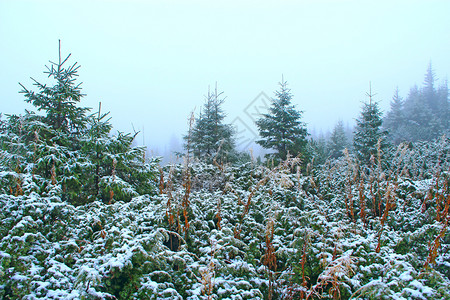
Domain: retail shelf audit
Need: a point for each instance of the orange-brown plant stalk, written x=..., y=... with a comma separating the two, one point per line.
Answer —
x=444, y=217
x=218, y=215
x=303, y=263
x=435, y=245
x=187, y=177
x=269, y=259
x=168, y=190
x=161, y=181
x=53, y=174
x=362, y=203
x=389, y=204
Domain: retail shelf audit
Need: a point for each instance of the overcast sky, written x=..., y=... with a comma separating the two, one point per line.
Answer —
x=150, y=62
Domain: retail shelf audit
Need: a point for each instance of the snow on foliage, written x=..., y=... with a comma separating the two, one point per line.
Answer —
x=344, y=230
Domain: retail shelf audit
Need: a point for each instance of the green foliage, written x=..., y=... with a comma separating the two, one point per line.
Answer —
x=210, y=139
x=59, y=101
x=368, y=137
x=52, y=249
x=394, y=121
x=338, y=141
x=281, y=129
x=345, y=230
x=70, y=154
x=317, y=150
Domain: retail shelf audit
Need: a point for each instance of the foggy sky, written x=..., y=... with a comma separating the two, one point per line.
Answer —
x=150, y=62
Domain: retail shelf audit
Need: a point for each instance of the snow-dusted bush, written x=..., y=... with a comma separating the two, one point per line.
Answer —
x=260, y=233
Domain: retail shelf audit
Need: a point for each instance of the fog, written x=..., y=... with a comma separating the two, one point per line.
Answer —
x=150, y=62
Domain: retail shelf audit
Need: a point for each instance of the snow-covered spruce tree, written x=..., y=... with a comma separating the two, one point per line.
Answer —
x=211, y=139
x=117, y=170
x=16, y=144
x=37, y=156
x=59, y=102
x=126, y=170
x=338, y=141
x=48, y=144
x=68, y=153
x=281, y=129
x=368, y=131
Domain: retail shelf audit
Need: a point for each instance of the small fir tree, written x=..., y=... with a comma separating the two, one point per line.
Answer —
x=368, y=131
x=211, y=139
x=70, y=154
x=394, y=122
x=281, y=129
x=338, y=141
x=59, y=102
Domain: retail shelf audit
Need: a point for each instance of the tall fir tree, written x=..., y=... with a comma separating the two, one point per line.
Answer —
x=368, y=131
x=429, y=91
x=394, y=122
x=431, y=97
x=210, y=138
x=444, y=109
x=71, y=154
x=59, y=102
x=338, y=141
x=419, y=117
x=281, y=129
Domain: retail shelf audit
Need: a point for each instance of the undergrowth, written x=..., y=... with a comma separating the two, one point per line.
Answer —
x=345, y=230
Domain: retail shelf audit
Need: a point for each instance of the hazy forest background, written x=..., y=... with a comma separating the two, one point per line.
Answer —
x=360, y=212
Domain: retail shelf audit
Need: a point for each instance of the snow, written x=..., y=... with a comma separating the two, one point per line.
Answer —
x=19, y=277
x=414, y=294
x=419, y=286
x=64, y=252
x=4, y=254
x=405, y=276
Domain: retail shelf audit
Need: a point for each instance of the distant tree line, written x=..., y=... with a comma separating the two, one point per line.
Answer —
x=422, y=116
x=71, y=152
x=281, y=131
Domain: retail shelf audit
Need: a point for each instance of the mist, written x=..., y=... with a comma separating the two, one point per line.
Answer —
x=151, y=63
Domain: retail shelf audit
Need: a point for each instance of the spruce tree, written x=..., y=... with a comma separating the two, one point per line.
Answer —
x=54, y=137
x=431, y=97
x=71, y=155
x=338, y=141
x=444, y=109
x=281, y=129
x=368, y=131
x=395, y=122
x=429, y=91
x=112, y=169
x=423, y=115
x=420, y=119
x=59, y=102
x=211, y=139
